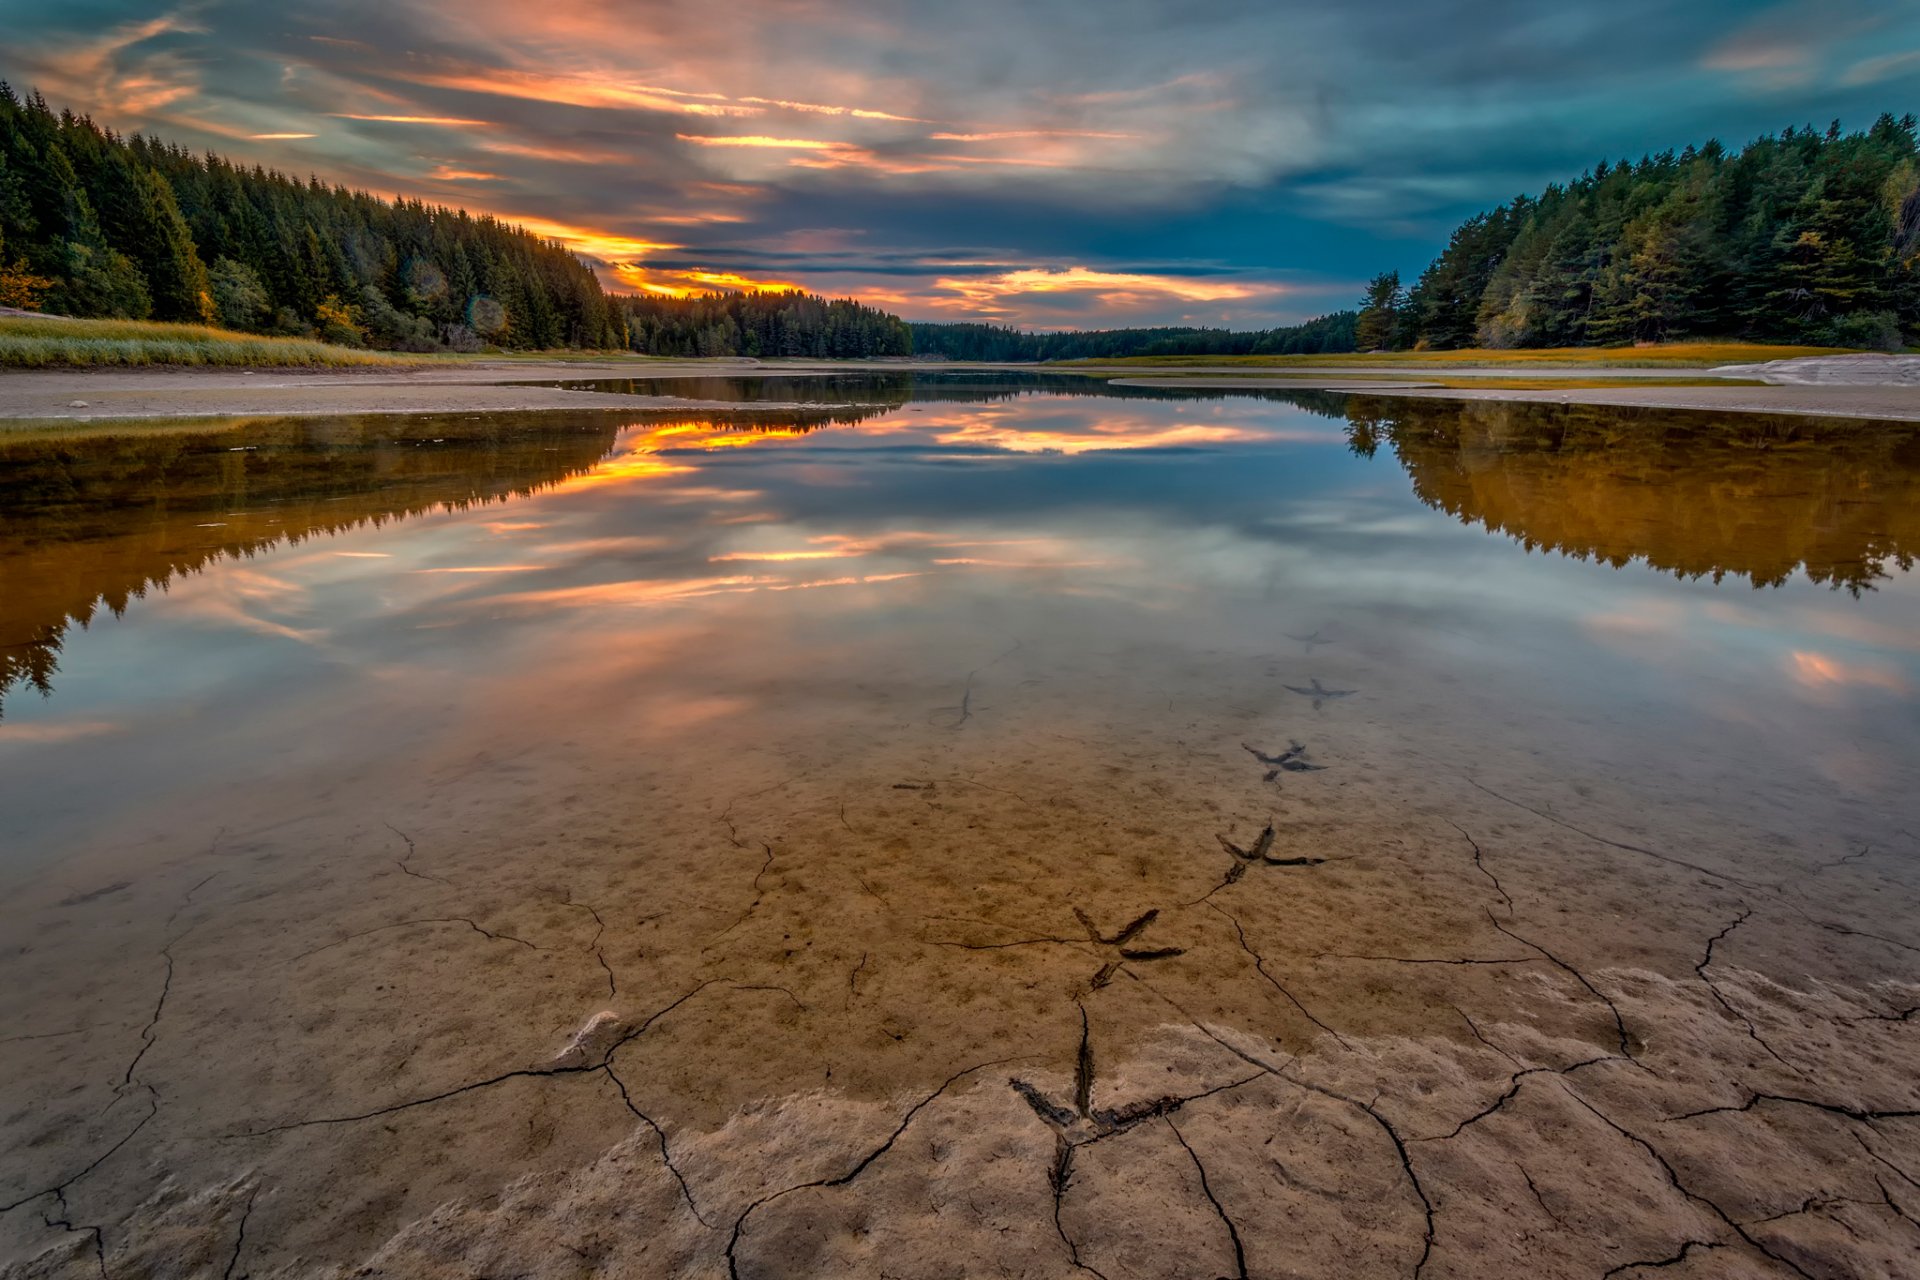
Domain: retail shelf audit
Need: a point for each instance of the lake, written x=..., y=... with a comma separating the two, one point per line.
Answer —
x=963, y=822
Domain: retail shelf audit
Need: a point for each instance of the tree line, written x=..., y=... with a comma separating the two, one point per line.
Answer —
x=1002, y=343
x=93, y=224
x=1801, y=237
x=763, y=323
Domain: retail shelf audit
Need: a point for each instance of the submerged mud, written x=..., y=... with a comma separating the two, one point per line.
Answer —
x=1140, y=908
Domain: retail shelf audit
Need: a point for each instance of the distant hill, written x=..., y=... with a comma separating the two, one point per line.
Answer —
x=1804, y=237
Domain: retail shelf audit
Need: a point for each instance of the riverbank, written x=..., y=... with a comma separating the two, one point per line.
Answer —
x=485, y=386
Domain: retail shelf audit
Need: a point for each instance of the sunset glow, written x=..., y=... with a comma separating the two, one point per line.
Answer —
x=1144, y=167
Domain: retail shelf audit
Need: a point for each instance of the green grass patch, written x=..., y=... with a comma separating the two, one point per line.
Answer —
x=1677, y=354
x=46, y=342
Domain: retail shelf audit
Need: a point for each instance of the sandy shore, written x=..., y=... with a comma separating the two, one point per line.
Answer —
x=1838, y=401
x=86, y=395
x=494, y=386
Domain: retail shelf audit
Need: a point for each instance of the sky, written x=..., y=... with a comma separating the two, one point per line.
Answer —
x=1044, y=163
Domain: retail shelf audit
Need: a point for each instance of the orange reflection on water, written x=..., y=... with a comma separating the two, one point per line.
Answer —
x=1819, y=671
x=1015, y=440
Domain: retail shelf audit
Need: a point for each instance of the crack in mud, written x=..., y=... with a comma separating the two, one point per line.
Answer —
x=523, y=1073
x=187, y=900
x=1480, y=864
x=1233, y=1232
x=660, y=1135
x=1619, y=1023
x=1479, y=1035
x=854, y=977
x=240, y=1238
x=403, y=924
x=1673, y=1180
x=1400, y=1148
x=1862, y=933
x=1260, y=965
x=740, y=1223
x=1855, y=856
x=1618, y=844
x=65, y=1223
x=150, y=1032
x=593, y=945
x=1453, y=960
x=1538, y=1198
x=1654, y=1264
x=763, y=866
x=1864, y=1115
x=1719, y=997
x=59, y=1189
x=405, y=864
x=1514, y=1082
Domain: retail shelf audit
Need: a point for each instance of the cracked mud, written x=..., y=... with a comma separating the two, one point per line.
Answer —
x=1394, y=1057
x=1055, y=952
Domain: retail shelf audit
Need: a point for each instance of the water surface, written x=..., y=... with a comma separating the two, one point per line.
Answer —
x=390, y=750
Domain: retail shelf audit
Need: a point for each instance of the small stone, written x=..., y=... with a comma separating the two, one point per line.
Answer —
x=592, y=1041
x=76, y=404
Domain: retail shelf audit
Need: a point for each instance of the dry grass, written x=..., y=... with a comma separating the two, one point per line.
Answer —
x=1702, y=355
x=38, y=342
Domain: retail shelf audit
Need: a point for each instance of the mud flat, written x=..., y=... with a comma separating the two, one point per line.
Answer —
x=1103, y=926
x=478, y=387
x=1863, y=387
x=1893, y=402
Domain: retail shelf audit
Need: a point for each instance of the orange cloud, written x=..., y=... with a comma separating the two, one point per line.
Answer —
x=687, y=284
x=757, y=140
x=278, y=137
x=816, y=108
x=451, y=122
x=559, y=155
x=590, y=241
x=447, y=173
x=578, y=90
x=1114, y=287
x=1004, y=134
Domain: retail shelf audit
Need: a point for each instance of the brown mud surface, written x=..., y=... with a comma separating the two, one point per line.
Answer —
x=1065, y=944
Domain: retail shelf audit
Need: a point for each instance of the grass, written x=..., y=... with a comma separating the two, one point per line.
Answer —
x=39, y=342
x=1703, y=355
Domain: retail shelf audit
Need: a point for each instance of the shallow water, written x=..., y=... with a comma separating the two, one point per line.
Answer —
x=383, y=753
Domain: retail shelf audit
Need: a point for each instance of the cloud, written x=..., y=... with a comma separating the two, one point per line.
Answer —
x=1879, y=70
x=451, y=122
x=1238, y=143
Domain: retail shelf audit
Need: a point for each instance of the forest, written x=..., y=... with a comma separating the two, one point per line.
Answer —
x=1807, y=236
x=94, y=225
x=763, y=323
x=1332, y=333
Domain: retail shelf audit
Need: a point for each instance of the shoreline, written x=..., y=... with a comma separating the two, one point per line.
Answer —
x=44, y=397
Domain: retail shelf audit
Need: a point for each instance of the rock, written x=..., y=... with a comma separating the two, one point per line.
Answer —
x=76, y=404
x=592, y=1041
